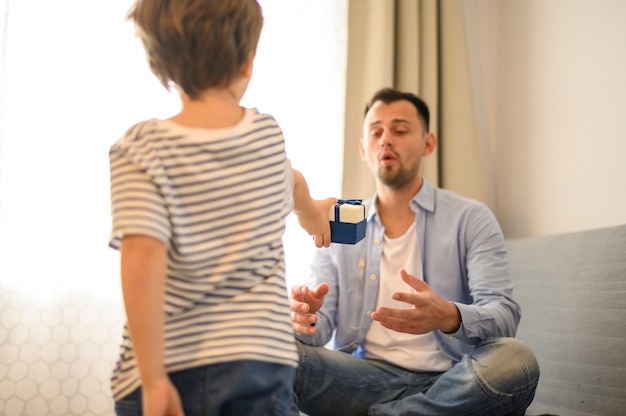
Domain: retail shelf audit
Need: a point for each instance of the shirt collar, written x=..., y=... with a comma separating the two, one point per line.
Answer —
x=425, y=199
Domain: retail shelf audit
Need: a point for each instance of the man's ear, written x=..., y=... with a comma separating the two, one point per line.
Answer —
x=430, y=142
x=361, y=149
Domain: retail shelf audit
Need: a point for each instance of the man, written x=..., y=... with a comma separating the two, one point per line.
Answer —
x=420, y=312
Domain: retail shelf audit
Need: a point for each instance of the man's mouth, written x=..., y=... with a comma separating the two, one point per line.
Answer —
x=386, y=158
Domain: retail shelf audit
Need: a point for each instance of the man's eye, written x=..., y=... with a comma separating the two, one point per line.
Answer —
x=401, y=132
x=375, y=133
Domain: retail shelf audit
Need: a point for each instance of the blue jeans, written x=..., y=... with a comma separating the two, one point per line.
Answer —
x=238, y=388
x=498, y=378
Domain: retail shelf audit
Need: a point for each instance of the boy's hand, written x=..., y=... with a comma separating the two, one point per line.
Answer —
x=161, y=398
x=314, y=220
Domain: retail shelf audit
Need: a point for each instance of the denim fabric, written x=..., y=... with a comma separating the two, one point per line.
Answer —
x=497, y=378
x=239, y=388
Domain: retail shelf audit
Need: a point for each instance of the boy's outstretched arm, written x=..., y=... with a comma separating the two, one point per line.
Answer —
x=312, y=214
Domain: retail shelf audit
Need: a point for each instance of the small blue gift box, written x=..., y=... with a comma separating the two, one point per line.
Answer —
x=347, y=221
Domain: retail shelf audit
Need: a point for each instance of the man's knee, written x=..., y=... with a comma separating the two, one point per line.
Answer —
x=305, y=351
x=505, y=364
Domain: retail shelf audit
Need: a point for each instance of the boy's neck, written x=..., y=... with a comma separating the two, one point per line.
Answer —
x=213, y=109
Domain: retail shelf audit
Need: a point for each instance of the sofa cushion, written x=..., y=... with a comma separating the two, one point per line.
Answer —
x=572, y=290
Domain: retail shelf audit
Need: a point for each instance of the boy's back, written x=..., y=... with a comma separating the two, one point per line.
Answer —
x=218, y=198
x=199, y=204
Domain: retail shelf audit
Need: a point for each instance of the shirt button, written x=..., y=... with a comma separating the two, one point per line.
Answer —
x=377, y=241
x=372, y=276
x=368, y=313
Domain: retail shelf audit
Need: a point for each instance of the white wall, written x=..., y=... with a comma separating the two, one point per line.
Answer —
x=560, y=115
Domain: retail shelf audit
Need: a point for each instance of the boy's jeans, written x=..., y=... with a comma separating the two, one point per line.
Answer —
x=498, y=378
x=236, y=388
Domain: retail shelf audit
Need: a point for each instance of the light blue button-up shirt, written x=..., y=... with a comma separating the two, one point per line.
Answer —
x=464, y=260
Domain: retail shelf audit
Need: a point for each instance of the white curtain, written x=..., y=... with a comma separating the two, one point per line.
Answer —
x=441, y=51
x=73, y=78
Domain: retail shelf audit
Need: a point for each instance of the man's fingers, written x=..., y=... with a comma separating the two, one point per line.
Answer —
x=303, y=329
x=417, y=284
x=321, y=290
x=299, y=292
x=303, y=323
x=386, y=312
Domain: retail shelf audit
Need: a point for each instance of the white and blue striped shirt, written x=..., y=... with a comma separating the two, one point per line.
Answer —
x=218, y=200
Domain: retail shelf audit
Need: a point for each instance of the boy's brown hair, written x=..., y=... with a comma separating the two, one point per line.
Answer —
x=197, y=44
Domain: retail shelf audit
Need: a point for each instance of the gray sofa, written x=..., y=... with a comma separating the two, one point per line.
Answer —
x=572, y=289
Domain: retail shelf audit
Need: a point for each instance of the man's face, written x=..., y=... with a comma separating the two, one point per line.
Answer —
x=394, y=142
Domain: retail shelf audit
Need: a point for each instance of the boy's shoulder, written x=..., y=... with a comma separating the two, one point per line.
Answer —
x=136, y=132
x=154, y=130
x=142, y=129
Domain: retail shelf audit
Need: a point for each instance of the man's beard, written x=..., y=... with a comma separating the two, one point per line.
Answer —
x=399, y=178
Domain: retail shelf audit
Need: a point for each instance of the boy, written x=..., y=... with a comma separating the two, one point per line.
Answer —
x=198, y=205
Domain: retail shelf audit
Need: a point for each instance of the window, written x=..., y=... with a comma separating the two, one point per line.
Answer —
x=73, y=79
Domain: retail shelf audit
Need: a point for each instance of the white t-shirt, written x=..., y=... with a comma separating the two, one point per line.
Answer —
x=413, y=352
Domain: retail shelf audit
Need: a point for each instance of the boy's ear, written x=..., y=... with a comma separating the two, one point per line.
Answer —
x=246, y=68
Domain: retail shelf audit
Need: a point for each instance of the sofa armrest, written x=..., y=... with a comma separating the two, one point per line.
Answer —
x=572, y=290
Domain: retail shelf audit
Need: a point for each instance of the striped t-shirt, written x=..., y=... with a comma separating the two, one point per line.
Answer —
x=218, y=200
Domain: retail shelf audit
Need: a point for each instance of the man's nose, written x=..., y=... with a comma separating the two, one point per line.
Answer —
x=386, y=139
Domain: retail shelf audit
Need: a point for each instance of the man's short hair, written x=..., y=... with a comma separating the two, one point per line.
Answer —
x=197, y=44
x=390, y=95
